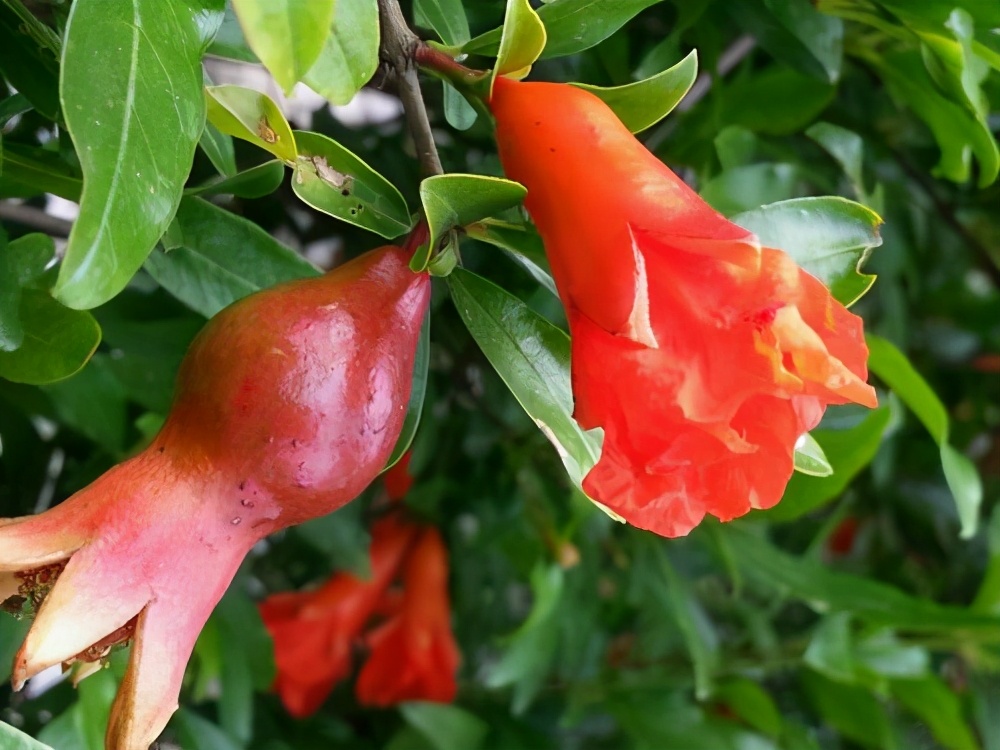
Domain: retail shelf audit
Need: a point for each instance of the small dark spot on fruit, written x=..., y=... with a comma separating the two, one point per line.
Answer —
x=538, y=122
x=162, y=448
x=243, y=485
x=552, y=150
x=295, y=443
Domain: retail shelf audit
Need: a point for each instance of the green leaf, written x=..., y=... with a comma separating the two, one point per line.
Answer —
x=35, y=171
x=333, y=180
x=751, y=703
x=829, y=237
x=451, y=201
x=445, y=17
x=532, y=647
x=939, y=709
x=960, y=134
x=848, y=452
x=795, y=32
x=22, y=263
x=521, y=41
x=251, y=116
x=198, y=733
x=521, y=242
x=350, y=54
x=58, y=341
x=644, y=103
x=343, y=537
x=287, y=35
x=255, y=182
x=446, y=727
x=852, y=711
x=418, y=390
x=230, y=42
x=135, y=112
x=214, y=258
x=218, y=147
x=571, y=25
x=847, y=147
x=15, y=739
x=826, y=590
x=744, y=188
x=532, y=357
x=892, y=366
x=93, y=404
x=810, y=458
x=29, y=58
x=777, y=101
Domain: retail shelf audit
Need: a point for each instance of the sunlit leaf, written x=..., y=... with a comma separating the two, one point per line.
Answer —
x=252, y=116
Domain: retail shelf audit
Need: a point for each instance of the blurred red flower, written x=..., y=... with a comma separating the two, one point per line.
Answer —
x=315, y=632
x=413, y=654
x=702, y=355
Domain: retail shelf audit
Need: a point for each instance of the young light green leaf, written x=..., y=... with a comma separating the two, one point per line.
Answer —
x=521, y=41
x=333, y=180
x=57, y=341
x=893, y=367
x=255, y=182
x=15, y=739
x=215, y=257
x=446, y=727
x=135, y=112
x=644, y=103
x=829, y=237
x=454, y=200
x=810, y=458
x=251, y=116
x=350, y=54
x=532, y=357
x=287, y=35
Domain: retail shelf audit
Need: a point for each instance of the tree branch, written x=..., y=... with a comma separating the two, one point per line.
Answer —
x=396, y=51
x=35, y=218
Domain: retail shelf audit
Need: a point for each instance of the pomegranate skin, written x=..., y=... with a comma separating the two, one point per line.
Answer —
x=298, y=393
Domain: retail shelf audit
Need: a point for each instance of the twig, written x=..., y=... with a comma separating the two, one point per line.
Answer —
x=396, y=52
x=35, y=218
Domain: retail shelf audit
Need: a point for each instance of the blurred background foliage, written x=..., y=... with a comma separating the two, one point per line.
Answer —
x=852, y=615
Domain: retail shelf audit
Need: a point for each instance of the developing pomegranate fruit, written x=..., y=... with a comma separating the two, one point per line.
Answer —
x=287, y=405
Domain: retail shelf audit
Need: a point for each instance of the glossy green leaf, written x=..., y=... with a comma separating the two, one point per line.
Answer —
x=829, y=237
x=453, y=200
x=251, y=116
x=135, y=112
x=218, y=147
x=214, y=258
x=847, y=147
x=826, y=590
x=286, y=35
x=892, y=366
x=810, y=458
x=29, y=58
x=446, y=727
x=848, y=452
x=255, y=182
x=521, y=242
x=532, y=357
x=331, y=179
x=57, y=342
x=795, y=32
x=445, y=17
x=644, y=103
x=939, y=709
x=522, y=40
x=14, y=106
x=229, y=42
x=15, y=739
x=571, y=26
x=745, y=188
x=22, y=263
x=350, y=54
x=457, y=111
x=418, y=390
x=777, y=101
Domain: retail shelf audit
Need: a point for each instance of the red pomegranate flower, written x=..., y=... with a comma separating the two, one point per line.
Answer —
x=413, y=654
x=702, y=355
x=315, y=632
x=288, y=403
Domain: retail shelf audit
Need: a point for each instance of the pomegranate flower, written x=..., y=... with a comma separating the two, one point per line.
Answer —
x=315, y=632
x=413, y=654
x=288, y=403
x=702, y=355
